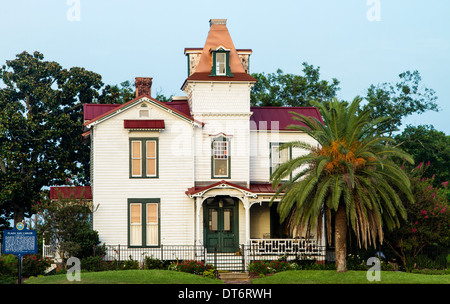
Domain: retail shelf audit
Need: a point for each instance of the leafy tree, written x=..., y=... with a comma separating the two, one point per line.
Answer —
x=117, y=94
x=279, y=89
x=349, y=177
x=428, y=145
x=66, y=223
x=428, y=219
x=399, y=100
x=40, y=125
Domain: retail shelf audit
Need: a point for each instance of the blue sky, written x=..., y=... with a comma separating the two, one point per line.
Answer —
x=122, y=40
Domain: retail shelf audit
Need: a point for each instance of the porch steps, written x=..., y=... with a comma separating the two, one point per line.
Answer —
x=226, y=261
x=231, y=277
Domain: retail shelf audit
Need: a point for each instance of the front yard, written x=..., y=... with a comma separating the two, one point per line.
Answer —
x=285, y=277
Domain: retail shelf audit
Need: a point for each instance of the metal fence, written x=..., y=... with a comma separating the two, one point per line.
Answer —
x=232, y=260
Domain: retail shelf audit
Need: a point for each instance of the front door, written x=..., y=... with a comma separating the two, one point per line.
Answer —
x=221, y=224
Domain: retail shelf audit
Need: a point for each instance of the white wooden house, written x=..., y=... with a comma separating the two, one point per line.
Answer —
x=194, y=171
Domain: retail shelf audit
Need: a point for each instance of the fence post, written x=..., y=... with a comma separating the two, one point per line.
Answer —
x=119, y=254
x=162, y=252
x=243, y=257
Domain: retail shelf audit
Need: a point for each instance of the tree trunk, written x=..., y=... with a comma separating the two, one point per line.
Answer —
x=341, y=239
x=18, y=214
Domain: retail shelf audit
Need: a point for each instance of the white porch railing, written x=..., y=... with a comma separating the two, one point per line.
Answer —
x=300, y=247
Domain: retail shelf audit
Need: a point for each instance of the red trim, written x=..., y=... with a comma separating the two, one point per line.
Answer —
x=195, y=190
x=144, y=124
x=136, y=99
x=77, y=192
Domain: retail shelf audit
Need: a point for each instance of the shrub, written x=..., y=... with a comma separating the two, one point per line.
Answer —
x=7, y=279
x=96, y=263
x=152, y=263
x=277, y=266
x=34, y=265
x=130, y=264
x=258, y=267
x=8, y=265
x=195, y=267
x=211, y=273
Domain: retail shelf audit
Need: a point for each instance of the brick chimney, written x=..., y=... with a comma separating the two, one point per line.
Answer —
x=143, y=86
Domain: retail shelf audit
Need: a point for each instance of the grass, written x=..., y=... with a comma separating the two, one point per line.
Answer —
x=349, y=277
x=127, y=277
x=285, y=277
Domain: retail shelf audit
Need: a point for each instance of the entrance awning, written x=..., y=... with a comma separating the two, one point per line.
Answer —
x=199, y=191
x=253, y=191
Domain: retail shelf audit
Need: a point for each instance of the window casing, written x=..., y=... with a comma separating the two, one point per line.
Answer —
x=221, y=63
x=277, y=156
x=144, y=222
x=220, y=159
x=144, y=158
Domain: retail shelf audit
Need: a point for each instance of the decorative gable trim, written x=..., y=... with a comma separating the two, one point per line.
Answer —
x=139, y=100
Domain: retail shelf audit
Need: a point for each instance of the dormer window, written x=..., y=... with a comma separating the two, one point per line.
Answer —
x=221, y=62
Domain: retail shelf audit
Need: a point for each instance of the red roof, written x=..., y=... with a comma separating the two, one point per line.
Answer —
x=163, y=104
x=263, y=118
x=279, y=118
x=92, y=111
x=261, y=188
x=206, y=77
x=180, y=105
x=195, y=190
x=144, y=124
x=77, y=192
x=254, y=188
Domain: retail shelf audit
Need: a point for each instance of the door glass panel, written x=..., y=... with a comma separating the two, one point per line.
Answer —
x=227, y=220
x=213, y=220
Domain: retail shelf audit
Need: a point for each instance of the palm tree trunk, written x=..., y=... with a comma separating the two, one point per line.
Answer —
x=341, y=239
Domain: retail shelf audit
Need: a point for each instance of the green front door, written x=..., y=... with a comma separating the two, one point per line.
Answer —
x=221, y=224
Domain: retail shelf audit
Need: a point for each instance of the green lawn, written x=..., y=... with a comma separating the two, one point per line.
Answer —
x=349, y=277
x=127, y=277
x=286, y=277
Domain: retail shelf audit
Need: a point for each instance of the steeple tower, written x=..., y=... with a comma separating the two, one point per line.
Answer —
x=218, y=62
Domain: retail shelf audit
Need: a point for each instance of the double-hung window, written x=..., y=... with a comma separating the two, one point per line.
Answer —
x=278, y=156
x=220, y=158
x=143, y=222
x=144, y=157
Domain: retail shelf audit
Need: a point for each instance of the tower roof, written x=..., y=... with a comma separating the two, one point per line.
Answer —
x=219, y=37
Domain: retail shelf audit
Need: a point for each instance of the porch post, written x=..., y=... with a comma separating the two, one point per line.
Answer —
x=198, y=205
x=247, y=220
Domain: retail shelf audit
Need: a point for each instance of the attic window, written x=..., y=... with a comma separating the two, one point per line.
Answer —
x=143, y=114
x=221, y=62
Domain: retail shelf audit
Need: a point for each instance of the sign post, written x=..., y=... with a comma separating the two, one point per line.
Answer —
x=19, y=241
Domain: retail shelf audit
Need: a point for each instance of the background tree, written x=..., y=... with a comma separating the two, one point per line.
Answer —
x=427, y=145
x=279, y=89
x=117, y=94
x=40, y=126
x=350, y=177
x=399, y=100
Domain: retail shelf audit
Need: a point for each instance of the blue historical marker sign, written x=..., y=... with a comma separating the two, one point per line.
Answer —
x=19, y=241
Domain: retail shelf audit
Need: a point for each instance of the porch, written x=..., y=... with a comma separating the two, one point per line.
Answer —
x=258, y=250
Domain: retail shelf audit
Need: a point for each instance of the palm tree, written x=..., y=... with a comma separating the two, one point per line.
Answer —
x=349, y=175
